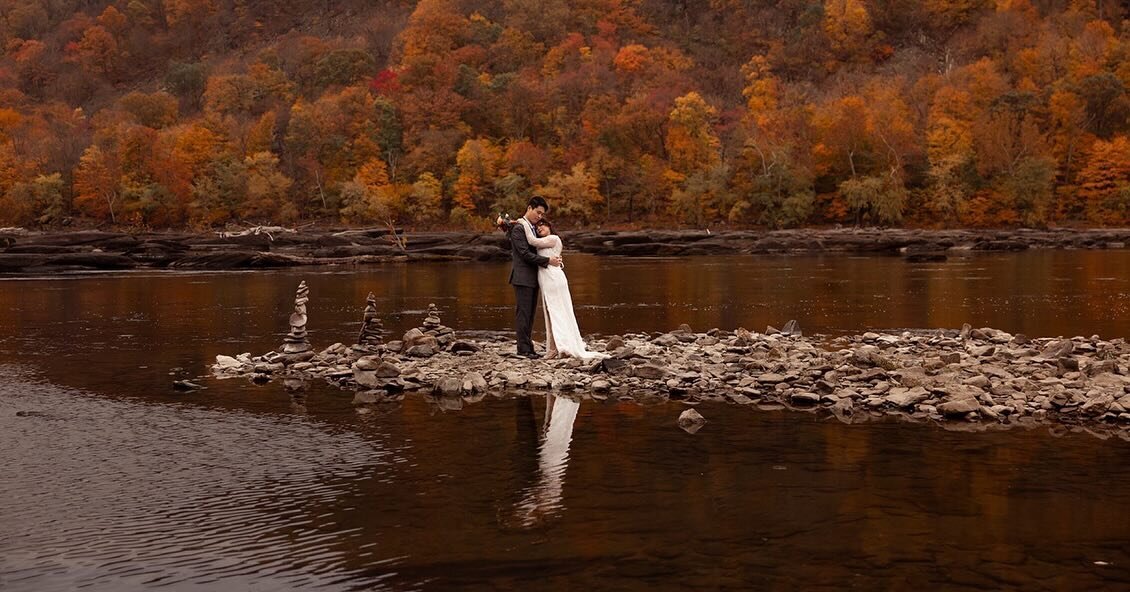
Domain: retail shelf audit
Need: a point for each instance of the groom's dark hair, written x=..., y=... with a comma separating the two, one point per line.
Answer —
x=538, y=201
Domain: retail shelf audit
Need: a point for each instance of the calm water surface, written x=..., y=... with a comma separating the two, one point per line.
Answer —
x=118, y=483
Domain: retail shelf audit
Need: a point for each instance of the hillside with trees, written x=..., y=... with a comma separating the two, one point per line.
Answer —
x=701, y=113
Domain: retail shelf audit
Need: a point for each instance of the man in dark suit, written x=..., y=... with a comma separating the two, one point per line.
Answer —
x=524, y=274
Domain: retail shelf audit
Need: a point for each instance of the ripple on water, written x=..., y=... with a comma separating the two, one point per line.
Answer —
x=158, y=495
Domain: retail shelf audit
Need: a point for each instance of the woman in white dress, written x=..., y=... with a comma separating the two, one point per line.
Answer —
x=563, y=336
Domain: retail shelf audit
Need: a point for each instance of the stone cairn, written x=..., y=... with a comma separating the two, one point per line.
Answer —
x=434, y=327
x=428, y=339
x=296, y=342
x=371, y=325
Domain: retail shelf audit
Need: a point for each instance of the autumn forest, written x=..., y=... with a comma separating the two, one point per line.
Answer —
x=672, y=113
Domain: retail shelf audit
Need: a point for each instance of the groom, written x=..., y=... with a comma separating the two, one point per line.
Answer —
x=524, y=274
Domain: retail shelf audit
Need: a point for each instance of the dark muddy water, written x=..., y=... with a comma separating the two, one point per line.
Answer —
x=112, y=481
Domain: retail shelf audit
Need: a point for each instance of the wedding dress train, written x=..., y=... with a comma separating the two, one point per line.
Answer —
x=563, y=336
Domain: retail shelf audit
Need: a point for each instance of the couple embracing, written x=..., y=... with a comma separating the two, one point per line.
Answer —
x=538, y=268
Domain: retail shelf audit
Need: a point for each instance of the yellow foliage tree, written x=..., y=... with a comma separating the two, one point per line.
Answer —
x=691, y=143
x=478, y=162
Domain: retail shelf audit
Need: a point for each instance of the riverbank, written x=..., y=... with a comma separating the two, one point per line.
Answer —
x=48, y=252
x=973, y=378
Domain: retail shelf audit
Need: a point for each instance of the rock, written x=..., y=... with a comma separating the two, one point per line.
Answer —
x=666, y=340
x=960, y=406
x=600, y=386
x=186, y=385
x=1097, y=403
x=804, y=398
x=843, y=408
x=420, y=351
x=228, y=363
x=366, y=378
x=464, y=346
x=615, y=366
x=366, y=397
x=910, y=377
x=951, y=358
x=650, y=372
x=387, y=370
x=473, y=382
x=514, y=379
x=791, y=328
x=743, y=337
x=869, y=355
x=367, y=363
x=411, y=337
x=771, y=378
x=448, y=387
x=905, y=398
x=614, y=343
x=691, y=421
x=1058, y=349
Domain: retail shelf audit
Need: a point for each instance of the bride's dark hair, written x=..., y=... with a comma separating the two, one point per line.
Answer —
x=547, y=224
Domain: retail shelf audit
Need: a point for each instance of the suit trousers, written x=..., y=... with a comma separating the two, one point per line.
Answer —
x=527, y=302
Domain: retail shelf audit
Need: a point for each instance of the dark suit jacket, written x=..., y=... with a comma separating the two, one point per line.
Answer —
x=525, y=257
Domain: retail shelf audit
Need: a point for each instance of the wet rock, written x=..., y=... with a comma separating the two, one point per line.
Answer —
x=473, y=382
x=1097, y=403
x=600, y=386
x=804, y=398
x=186, y=386
x=367, y=397
x=691, y=421
x=448, y=387
x=224, y=363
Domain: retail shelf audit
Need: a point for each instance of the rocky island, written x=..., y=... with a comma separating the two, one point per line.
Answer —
x=972, y=378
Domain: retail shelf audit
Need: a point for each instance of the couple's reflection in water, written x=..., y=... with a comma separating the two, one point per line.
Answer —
x=542, y=501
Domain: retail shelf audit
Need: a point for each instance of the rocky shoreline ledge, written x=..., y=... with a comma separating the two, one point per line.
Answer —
x=969, y=379
x=23, y=251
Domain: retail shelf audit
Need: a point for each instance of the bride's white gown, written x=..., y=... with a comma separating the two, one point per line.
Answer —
x=563, y=336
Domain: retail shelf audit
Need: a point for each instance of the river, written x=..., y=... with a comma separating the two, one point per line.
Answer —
x=114, y=481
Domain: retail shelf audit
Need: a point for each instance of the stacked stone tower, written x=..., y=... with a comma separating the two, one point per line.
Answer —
x=296, y=341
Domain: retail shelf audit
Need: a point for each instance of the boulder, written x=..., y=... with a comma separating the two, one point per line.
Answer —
x=473, y=382
x=387, y=370
x=691, y=421
x=448, y=387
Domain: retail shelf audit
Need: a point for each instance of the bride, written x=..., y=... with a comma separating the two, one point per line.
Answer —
x=562, y=335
